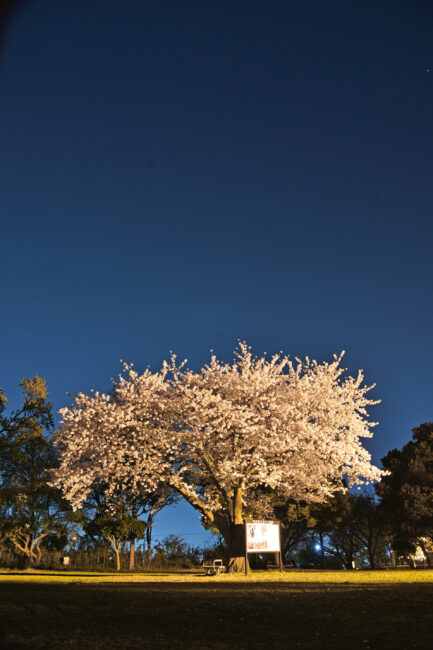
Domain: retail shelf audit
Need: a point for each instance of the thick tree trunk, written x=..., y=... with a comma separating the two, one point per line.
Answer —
x=231, y=527
x=235, y=535
x=131, y=555
x=237, y=564
x=236, y=548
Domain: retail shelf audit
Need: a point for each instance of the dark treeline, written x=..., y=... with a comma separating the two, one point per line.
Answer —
x=387, y=525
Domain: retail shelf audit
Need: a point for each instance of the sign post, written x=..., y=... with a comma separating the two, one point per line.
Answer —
x=262, y=537
x=281, y=551
x=246, y=549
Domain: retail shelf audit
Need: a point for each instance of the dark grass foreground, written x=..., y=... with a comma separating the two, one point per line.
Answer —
x=220, y=615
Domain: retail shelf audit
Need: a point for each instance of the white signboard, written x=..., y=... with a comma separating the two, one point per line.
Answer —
x=262, y=537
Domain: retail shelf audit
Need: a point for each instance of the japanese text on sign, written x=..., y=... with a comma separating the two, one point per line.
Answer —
x=262, y=537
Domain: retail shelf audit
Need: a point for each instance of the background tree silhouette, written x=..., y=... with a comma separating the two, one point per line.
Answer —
x=407, y=491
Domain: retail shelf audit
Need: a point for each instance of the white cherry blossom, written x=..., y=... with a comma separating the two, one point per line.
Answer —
x=216, y=434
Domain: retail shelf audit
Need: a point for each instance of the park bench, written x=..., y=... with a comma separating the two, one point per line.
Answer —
x=214, y=567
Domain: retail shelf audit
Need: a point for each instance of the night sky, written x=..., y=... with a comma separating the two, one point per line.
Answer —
x=176, y=175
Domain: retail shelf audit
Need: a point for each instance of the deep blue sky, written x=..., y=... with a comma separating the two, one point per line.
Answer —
x=179, y=174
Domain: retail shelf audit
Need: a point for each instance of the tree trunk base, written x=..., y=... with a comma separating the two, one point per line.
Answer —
x=237, y=564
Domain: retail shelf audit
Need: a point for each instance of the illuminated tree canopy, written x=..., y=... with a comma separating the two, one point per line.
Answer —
x=216, y=434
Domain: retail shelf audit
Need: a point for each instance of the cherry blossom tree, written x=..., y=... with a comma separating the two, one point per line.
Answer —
x=217, y=434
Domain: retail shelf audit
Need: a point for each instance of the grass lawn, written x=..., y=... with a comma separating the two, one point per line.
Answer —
x=338, y=610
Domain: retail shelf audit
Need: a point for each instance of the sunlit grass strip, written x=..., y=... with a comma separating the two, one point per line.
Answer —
x=352, y=577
